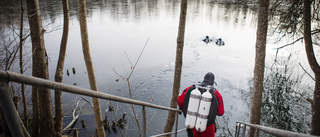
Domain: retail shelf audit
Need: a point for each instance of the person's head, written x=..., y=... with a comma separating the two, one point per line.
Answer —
x=208, y=79
x=207, y=37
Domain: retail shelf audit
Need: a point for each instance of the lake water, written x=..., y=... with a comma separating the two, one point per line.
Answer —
x=118, y=31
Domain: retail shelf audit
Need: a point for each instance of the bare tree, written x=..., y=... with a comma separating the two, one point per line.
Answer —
x=41, y=97
x=178, y=66
x=315, y=123
x=88, y=61
x=259, y=64
x=127, y=78
x=25, y=111
x=60, y=66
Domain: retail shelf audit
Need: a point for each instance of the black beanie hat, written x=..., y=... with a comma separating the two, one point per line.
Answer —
x=208, y=79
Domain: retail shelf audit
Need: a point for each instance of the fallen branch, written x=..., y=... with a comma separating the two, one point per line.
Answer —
x=75, y=118
x=87, y=101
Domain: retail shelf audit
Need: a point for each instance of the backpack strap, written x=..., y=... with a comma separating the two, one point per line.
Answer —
x=213, y=107
x=186, y=100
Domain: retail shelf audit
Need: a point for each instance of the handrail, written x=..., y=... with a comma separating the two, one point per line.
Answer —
x=269, y=130
x=6, y=76
x=20, y=78
x=159, y=135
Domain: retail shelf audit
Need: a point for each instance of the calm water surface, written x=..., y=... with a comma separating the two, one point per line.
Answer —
x=118, y=31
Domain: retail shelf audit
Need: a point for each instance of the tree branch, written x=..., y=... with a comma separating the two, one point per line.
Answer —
x=128, y=81
x=138, y=58
x=306, y=72
x=301, y=38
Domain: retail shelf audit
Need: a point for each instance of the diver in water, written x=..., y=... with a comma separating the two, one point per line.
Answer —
x=207, y=40
x=219, y=42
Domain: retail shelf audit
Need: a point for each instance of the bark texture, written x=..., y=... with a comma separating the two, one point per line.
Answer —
x=88, y=61
x=41, y=97
x=178, y=66
x=59, y=70
x=259, y=64
x=315, y=123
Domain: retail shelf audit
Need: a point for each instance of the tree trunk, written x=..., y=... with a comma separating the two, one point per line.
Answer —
x=59, y=70
x=35, y=113
x=88, y=61
x=315, y=123
x=24, y=100
x=259, y=64
x=178, y=66
x=41, y=98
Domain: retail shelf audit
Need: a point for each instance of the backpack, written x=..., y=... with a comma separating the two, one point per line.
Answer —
x=214, y=102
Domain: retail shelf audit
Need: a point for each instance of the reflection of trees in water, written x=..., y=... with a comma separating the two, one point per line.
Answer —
x=136, y=10
x=284, y=104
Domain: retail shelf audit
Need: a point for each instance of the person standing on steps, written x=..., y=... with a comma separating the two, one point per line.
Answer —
x=216, y=108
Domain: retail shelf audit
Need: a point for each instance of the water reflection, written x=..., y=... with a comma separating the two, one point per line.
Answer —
x=135, y=10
